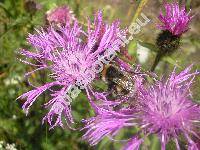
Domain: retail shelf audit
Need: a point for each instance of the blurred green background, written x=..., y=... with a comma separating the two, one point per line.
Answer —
x=16, y=21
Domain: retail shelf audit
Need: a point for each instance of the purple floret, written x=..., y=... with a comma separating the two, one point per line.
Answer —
x=175, y=19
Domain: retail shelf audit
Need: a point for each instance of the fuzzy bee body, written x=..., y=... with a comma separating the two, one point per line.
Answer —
x=120, y=83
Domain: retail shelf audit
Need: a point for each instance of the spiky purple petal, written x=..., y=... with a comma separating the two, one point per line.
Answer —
x=106, y=123
x=133, y=144
x=176, y=19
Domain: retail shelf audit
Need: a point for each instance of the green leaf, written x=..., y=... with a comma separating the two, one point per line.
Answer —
x=132, y=48
x=171, y=61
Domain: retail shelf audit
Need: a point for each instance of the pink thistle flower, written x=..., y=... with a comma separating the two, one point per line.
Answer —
x=175, y=19
x=69, y=54
x=168, y=111
x=60, y=15
x=164, y=109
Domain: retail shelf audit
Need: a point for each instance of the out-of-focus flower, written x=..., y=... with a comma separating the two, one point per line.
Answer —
x=31, y=6
x=175, y=19
x=12, y=81
x=7, y=146
x=60, y=15
x=164, y=109
x=69, y=54
x=10, y=147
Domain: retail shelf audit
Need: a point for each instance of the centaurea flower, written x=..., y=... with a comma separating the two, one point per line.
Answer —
x=69, y=54
x=168, y=111
x=164, y=109
x=175, y=22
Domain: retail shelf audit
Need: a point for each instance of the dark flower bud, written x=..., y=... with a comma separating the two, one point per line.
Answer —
x=167, y=42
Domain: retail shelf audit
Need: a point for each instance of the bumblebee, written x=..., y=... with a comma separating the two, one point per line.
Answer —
x=120, y=83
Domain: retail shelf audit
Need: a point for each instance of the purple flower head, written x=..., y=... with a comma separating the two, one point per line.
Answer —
x=69, y=54
x=176, y=19
x=164, y=109
x=168, y=111
x=60, y=15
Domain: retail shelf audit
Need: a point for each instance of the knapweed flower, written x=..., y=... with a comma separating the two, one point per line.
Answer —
x=69, y=55
x=168, y=111
x=164, y=109
x=175, y=19
x=60, y=15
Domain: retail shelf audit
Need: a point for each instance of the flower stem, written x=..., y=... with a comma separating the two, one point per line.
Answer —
x=139, y=9
x=156, y=61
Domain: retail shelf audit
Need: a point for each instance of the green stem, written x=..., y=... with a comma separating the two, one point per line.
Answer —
x=139, y=9
x=77, y=9
x=156, y=61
